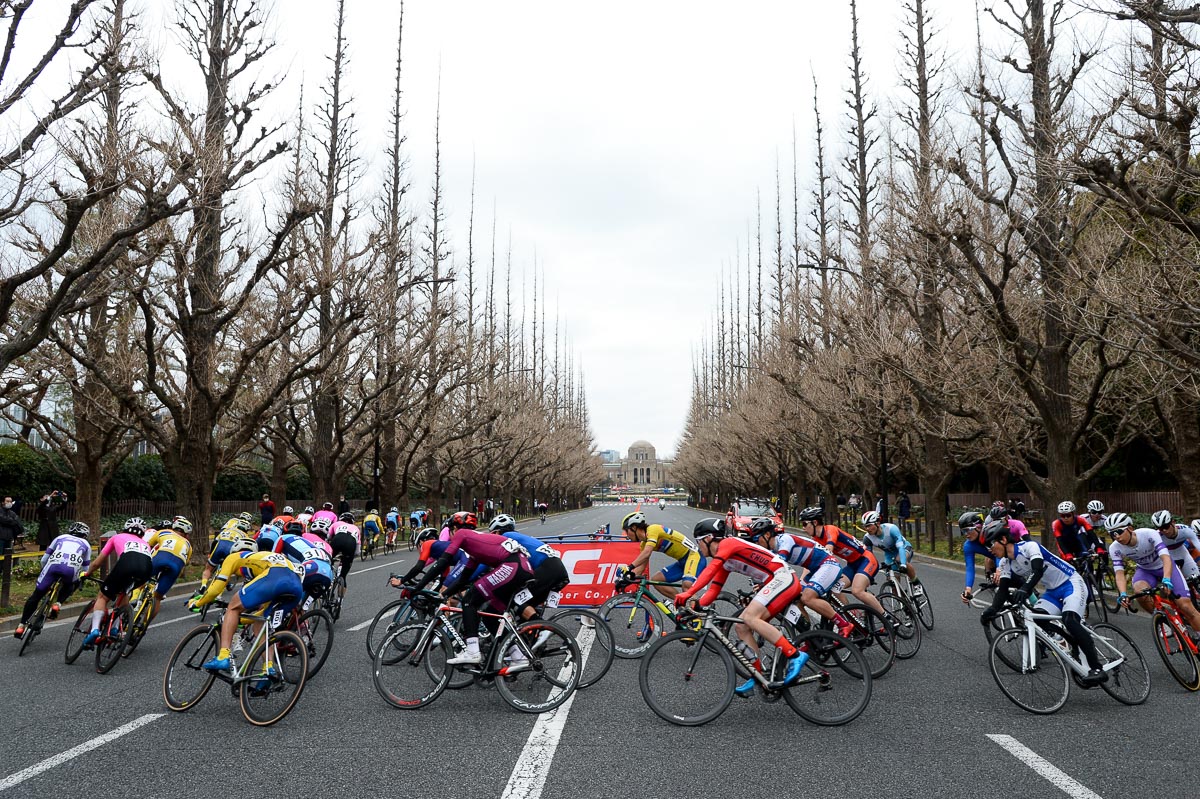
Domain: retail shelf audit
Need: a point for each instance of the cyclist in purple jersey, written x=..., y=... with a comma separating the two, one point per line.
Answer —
x=63, y=560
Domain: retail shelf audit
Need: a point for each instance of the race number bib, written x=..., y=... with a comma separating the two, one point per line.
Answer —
x=553, y=598
x=512, y=546
x=793, y=614
x=277, y=619
x=523, y=596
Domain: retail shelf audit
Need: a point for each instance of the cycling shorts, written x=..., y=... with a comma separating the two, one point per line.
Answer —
x=167, y=566
x=318, y=576
x=781, y=590
x=277, y=585
x=550, y=575
x=891, y=559
x=344, y=546
x=685, y=569
x=865, y=565
x=499, y=584
x=131, y=570
x=219, y=553
x=371, y=529
x=1152, y=579
x=1188, y=567
x=1070, y=596
x=57, y=571
x=822, y=579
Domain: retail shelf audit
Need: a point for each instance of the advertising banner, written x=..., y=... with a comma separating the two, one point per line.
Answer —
x=593, y=567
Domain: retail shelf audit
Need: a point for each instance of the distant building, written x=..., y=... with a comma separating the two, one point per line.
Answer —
x=640, y=469
x=610, y=455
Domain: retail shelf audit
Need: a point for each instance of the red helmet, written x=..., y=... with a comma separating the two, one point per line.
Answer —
x=464, y=518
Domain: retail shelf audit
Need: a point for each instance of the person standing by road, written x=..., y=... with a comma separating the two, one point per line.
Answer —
x=10, y=525
x=47, y=515
x=266, y=509
x=343, y=505
x=904, y=506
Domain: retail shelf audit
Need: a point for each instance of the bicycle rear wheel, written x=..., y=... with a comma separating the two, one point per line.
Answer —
x=634, y=624
x=1175, y=653
x=907, y=629
x=79, y=631
x=113, y=636
x=595, y=641
x=185, y=682
x=552, y=673
x=874, y=637
x=315, y=629
x=137, y=630
x=34, y=625
x=408, y=675
x=387, y=621
x=829, y=691
x=273, y=678
x=1128, y=683
x=1042, y=682
x=687, y=678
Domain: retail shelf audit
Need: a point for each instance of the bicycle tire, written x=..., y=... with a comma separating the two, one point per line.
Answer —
x=291, y=677
x=1133, y=673
x=403, y=664
x=137, y=631
x=873, y=636
x=908, y=630
x=1096, y=603
x=924, y=608
x=334, y=597
x=1175, y=653
x=813, y=693
x=595, y=642
x=112, y=641
x=634, y=624
x=195, y=648
x=315, y=629
x=552, y=674
x=671, y=671
x=79, y=631
x=34, y=625
x=397, y=613
x=1049, y=677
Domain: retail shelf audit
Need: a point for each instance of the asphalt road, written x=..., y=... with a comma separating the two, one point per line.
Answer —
x=925, y=732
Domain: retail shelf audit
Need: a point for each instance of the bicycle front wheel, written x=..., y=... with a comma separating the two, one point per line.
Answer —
x=595, y=641
x=387, y=621
x=34, y=625
x=1128, y=683
x=551, y=674
x=634, y=623
x=834, y=687
x=924, y=609
x=687, y=678
x=273, y=678
x=1175, y=653
x=409, y=674
x=907, y=628
x=1042, y=682
x=112, y=640
x=82, y=626
x=874, y=637
x=185, y=682
x=315, y=629
x=1096, y=610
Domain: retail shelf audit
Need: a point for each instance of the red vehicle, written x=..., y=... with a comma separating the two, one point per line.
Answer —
x=743, y=512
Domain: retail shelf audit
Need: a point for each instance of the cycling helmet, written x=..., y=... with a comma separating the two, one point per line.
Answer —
x=999, y=504
x=812, y=513
x=373, y=511
x=135, y=525
x=294, y=528
x=869, y=518
x=1196, y=525
x=1117, y=522
x=503, y=523
x=347, y=517
x=242, y=525
x=319, y=526
x=762, y=527
x=998, y=512
x=969, y=520
x=714, y=528
x=1161, y=518
x=165, y=524
x=182, y=525
x=428, y=534
x=1095, y=506
x=327, y=506
x=287, y=510
x=308, y=509
x=243, y=545
x=1066, y=506
x=464, y=518
x=79, y=529
x=246, y=516
x=994, y=530
x=394, y=510
x=635, y=519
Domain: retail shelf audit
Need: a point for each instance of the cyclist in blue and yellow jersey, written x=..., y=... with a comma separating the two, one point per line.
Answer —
x=372, y=527
x=672, y=543
x=271, y=579
x=171, y=552
x=234, y=529
x=897, y=552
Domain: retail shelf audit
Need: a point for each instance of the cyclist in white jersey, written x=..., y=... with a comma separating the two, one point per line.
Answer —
x=1145, y=548
x=1181, y=542
x=1027, y=563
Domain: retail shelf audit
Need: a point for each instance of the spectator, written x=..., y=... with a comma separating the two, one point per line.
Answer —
x=1016, y=509
x=879, y=504
x=854, y=502
x=47, y=516
x=343, y=505
x=904, y=506
x=10, y=525
x=266, y=509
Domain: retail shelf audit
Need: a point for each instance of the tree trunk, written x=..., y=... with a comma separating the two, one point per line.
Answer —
x=997, y=477
x=192, y=468
x=89, y=492
x=389, y=477
x=1184, y=419
x=936, y=473
x=279, y=469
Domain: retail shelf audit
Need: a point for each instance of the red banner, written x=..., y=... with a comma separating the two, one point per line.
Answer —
x=593, y=567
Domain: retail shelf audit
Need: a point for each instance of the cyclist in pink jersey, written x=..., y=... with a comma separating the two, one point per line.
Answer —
x=326, y=513
x=133, y=568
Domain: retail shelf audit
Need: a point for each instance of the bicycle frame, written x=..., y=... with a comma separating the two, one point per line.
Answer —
x=267, y=626
x=1170, y=610
x=441, y=618
x=1033, y=632
x=709, y=627
x=644, y=585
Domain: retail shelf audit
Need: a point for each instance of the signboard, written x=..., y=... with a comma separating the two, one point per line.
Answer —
x=593, y=567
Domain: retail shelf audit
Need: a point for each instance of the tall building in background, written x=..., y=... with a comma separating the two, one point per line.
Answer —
x=610, y=455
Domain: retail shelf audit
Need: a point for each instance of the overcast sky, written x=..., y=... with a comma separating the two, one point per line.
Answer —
x=623, y=143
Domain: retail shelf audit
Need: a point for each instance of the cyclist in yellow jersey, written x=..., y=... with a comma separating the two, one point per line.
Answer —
x=234, y=529
x=271, y=579
x=171, y=552
x=672, y=543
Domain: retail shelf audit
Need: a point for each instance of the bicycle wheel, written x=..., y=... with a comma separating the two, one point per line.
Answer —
x=333, y=597
x=79, y=631
x=112, y=639
x=273, y=678
x=924, y=609
x=1175, y=653
x=315, y=629
x=595, y=641
x=1128, y=683
x=634, y=624
x=1108, y=578
x=908, y=631
x=141, y=623
x=552, y=673
x=407, y=674
x=387, y=621
x=1042, y=684
x=185, y=682
x=874, y=637
x=34, y=625
x=829, y=691
x=1095, y=611
x=687, y=678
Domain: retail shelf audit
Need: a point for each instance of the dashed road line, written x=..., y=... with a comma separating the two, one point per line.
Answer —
x=21, y=776
x=1044, y=768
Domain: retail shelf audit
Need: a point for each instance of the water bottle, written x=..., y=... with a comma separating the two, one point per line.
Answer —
x=746, y=651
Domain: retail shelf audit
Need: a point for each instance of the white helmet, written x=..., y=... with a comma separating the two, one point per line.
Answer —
x=1160, y=518
x=1095, y=506
x=503, y=524
x=1196, y=525
x=637, y=518
x=1066, y=506
x=1117, y=521
x=319, y=525
x=869, y=518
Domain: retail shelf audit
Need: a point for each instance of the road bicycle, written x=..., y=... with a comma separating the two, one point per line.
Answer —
x=389, y=542
x=114, y=629
x=394, y=615
x=33, y=627
x=1033, y=662
x=637, y=617
x=331, y=601
x=897, y=581
x=142, y=604
x=688, y=676
x=267, y=683
x=1178, y=650
x=534, y=665
x=367, y=549
x=314, y=626
x=1097, y=608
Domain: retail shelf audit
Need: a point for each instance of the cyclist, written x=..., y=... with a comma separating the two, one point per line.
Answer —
x=304, y=516
x=1095, y=514
x=1073, y=534
x=429, y=550
x=171, y=552
x=326, y=512
x=344, y=538
x=63, y=560
x=1027, y=563
x=270, y=578
x=672, y=543
x=861, y=566
x=372, y=527
x=312, y=558
x=268, y=535
x=234, y=529
x=823, y=569
x=318, y=533
x=662, y=504
x=970, y=524
x=1015, y=526
x=392, y=520
x=1145, y=548
x=285, y=516
x=508, y=571
x=780, y=588
x=133, y=567
x=549, y=573
x=896, y=548
x=542, y=507
x=414, y=520
x=1182, y=544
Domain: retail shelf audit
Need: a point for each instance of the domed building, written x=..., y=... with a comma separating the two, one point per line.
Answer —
x=640, y=468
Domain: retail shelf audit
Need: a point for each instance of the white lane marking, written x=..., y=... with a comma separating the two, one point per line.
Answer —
x=533, y=766
x=1047, y=770
x=358, y=627
x=87, y=746
x=173, y=621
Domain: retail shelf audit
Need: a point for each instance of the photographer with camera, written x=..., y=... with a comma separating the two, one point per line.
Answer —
x=48, y=509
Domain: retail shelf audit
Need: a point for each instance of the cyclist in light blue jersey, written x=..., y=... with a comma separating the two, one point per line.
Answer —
x=896, y=549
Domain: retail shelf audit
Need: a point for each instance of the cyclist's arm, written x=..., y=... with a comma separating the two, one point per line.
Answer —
x=643, y=557
x=1001, y=597
x=217, y=584
x=714, y=573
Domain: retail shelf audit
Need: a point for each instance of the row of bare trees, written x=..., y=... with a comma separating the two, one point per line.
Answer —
x=177, y=271
x=1001, y=269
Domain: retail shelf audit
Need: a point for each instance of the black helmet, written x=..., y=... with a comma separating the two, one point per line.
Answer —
x=998, y=512
x=970, y=519
x=327, y=506
x=428, y=534
x=714, y=528
x=347, y=517
x=813, y=513
x=762, y=527
x=994, y=530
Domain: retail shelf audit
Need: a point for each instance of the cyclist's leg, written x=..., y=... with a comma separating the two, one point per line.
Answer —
x=864, y=574
x=819, y=583
x=781, y=590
